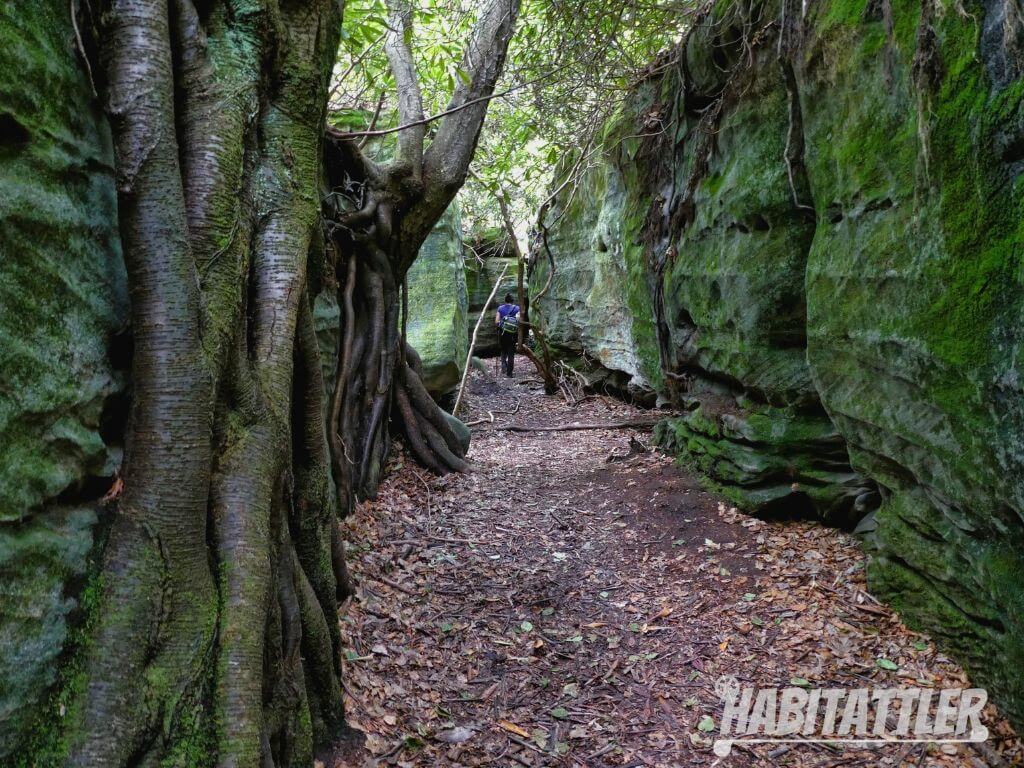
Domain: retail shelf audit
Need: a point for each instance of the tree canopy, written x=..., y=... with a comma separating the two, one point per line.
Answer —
x=569, y=67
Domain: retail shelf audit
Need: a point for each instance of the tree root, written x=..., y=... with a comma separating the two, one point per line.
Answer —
x=431, y=438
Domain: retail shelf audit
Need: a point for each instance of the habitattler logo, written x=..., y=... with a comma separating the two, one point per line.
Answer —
x=848, y=715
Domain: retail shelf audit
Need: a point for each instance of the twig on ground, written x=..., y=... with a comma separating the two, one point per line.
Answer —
x=630, y=424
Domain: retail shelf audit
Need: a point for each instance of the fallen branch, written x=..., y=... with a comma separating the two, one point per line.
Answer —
x=574, y=427
x=396, y=585
x=490, y=416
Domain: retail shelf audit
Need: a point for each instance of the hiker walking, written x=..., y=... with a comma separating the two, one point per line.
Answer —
x=507, y=321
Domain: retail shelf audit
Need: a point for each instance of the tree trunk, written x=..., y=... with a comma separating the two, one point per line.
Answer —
x=379, y=217
x=223, y=571
x=378, y=378
x=216, y=637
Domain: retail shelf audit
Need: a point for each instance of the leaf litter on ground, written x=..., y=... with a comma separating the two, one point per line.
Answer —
x=555, y=608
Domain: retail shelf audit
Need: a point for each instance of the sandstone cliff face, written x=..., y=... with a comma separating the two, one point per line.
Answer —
x=487, y=254
x=63, y=304
x=915, y=287
x=438, y=306
x=591, y=317
x=827, y=230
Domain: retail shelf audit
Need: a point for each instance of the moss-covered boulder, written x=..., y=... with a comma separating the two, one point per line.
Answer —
x=63, y=304
x=438, y=306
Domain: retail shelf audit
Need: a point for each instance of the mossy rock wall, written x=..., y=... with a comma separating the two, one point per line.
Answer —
x=712, y=201
x=63, y=311
x=590, y=316
x=486, y=255
x=828, y=229
x=915, y=287
x=438, y=305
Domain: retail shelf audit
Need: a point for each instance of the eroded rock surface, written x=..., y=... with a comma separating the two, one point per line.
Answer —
x=438, y=307
x=63, y=308
x=826, y=231
x=487, y=254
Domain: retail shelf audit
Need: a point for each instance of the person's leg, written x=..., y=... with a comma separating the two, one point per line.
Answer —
x=507, y=352
x=511, y=354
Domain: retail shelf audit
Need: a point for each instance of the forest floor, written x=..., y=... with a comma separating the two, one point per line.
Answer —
x=571, y=603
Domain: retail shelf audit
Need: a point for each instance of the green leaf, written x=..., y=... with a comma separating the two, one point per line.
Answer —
x=920, y=646
x=526, y=626
x=886, y=664
x=560, y=712
x=803, y=682
x=706, y=724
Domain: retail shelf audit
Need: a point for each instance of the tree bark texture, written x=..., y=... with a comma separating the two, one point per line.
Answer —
x=216, y=638
x=217, y=631
x=379, y=216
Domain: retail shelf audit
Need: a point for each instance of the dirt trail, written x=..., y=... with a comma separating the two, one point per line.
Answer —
x=563, y=606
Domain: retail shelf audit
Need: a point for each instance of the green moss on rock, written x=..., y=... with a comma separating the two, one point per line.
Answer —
x=915, y=292
x=486, y=255
x=63, y=301
x=868, y=293
x=597, y=312
x=438, y=305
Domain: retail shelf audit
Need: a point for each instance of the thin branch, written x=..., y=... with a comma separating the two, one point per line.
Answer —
x=376, y=117
x=410, y=97
x=472, y=343
x=355, y=63
x=631, y=424
x=452, y=110
x=452, y=149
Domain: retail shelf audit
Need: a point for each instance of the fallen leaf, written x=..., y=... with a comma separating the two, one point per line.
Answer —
x=513, y=728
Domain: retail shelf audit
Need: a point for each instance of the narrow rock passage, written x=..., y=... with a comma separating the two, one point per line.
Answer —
x=574, y=600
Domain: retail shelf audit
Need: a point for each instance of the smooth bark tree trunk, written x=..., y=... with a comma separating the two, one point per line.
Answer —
x=216, y=637
x=217, y=631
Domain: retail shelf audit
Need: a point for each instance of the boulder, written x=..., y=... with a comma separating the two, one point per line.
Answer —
x=63, y=312
x=438, y=306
